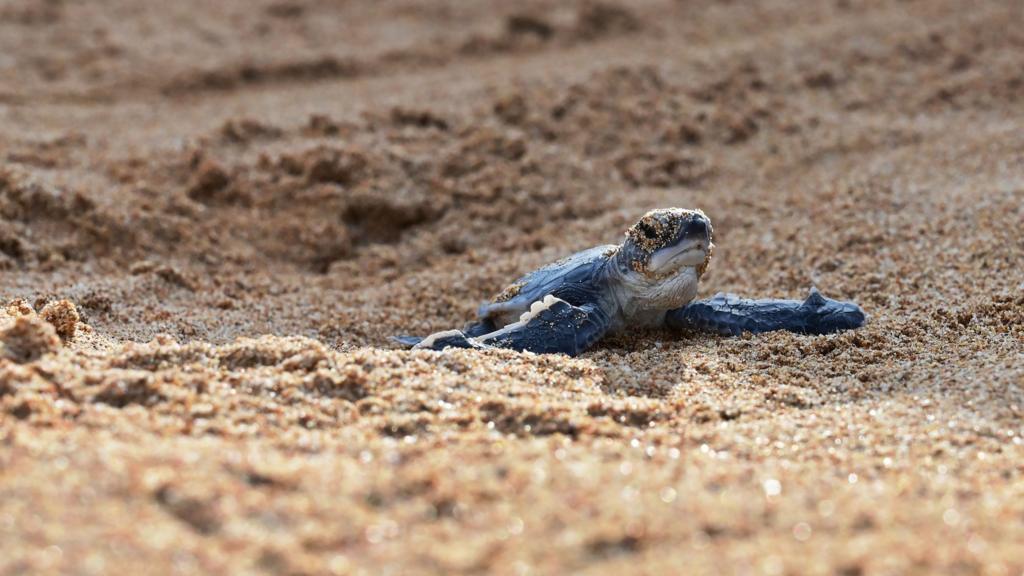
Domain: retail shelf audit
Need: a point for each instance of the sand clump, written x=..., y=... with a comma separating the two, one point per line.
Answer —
x=27, y=338
x=63, y=316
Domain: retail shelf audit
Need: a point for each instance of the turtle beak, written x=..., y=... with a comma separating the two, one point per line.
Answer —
x=690, y=249
x=698, y=228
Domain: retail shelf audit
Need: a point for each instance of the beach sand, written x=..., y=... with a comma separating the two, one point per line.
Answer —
x=213, y=216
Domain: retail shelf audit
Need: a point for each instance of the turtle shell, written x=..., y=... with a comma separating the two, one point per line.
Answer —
x=577, y=279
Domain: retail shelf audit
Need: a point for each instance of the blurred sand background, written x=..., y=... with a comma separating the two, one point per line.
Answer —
x=243, y=199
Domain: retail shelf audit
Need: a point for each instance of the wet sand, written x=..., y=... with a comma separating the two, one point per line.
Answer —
x=213, y=218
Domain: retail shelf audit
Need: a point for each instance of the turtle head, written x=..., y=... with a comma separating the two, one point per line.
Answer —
x=666, y=242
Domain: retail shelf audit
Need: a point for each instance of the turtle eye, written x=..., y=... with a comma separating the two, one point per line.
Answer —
x=647, y=230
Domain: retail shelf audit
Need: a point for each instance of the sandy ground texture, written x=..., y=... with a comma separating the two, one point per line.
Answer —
x=214, y=214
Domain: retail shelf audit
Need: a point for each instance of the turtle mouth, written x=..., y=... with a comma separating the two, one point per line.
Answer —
x=688, y=253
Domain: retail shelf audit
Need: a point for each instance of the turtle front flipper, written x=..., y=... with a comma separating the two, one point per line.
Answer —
x=728, y=314
x=449, y=338
x=441, y=340
x=407, y=341
x=552, y=326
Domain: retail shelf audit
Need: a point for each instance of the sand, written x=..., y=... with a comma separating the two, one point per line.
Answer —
x=214, y=215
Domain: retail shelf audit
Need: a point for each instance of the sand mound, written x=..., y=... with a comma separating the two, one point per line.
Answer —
x=26, y=338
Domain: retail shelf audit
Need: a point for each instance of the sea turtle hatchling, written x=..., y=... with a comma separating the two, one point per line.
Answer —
x=649, y=280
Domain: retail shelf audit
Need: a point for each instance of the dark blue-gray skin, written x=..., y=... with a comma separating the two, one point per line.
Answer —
x=647, y=281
